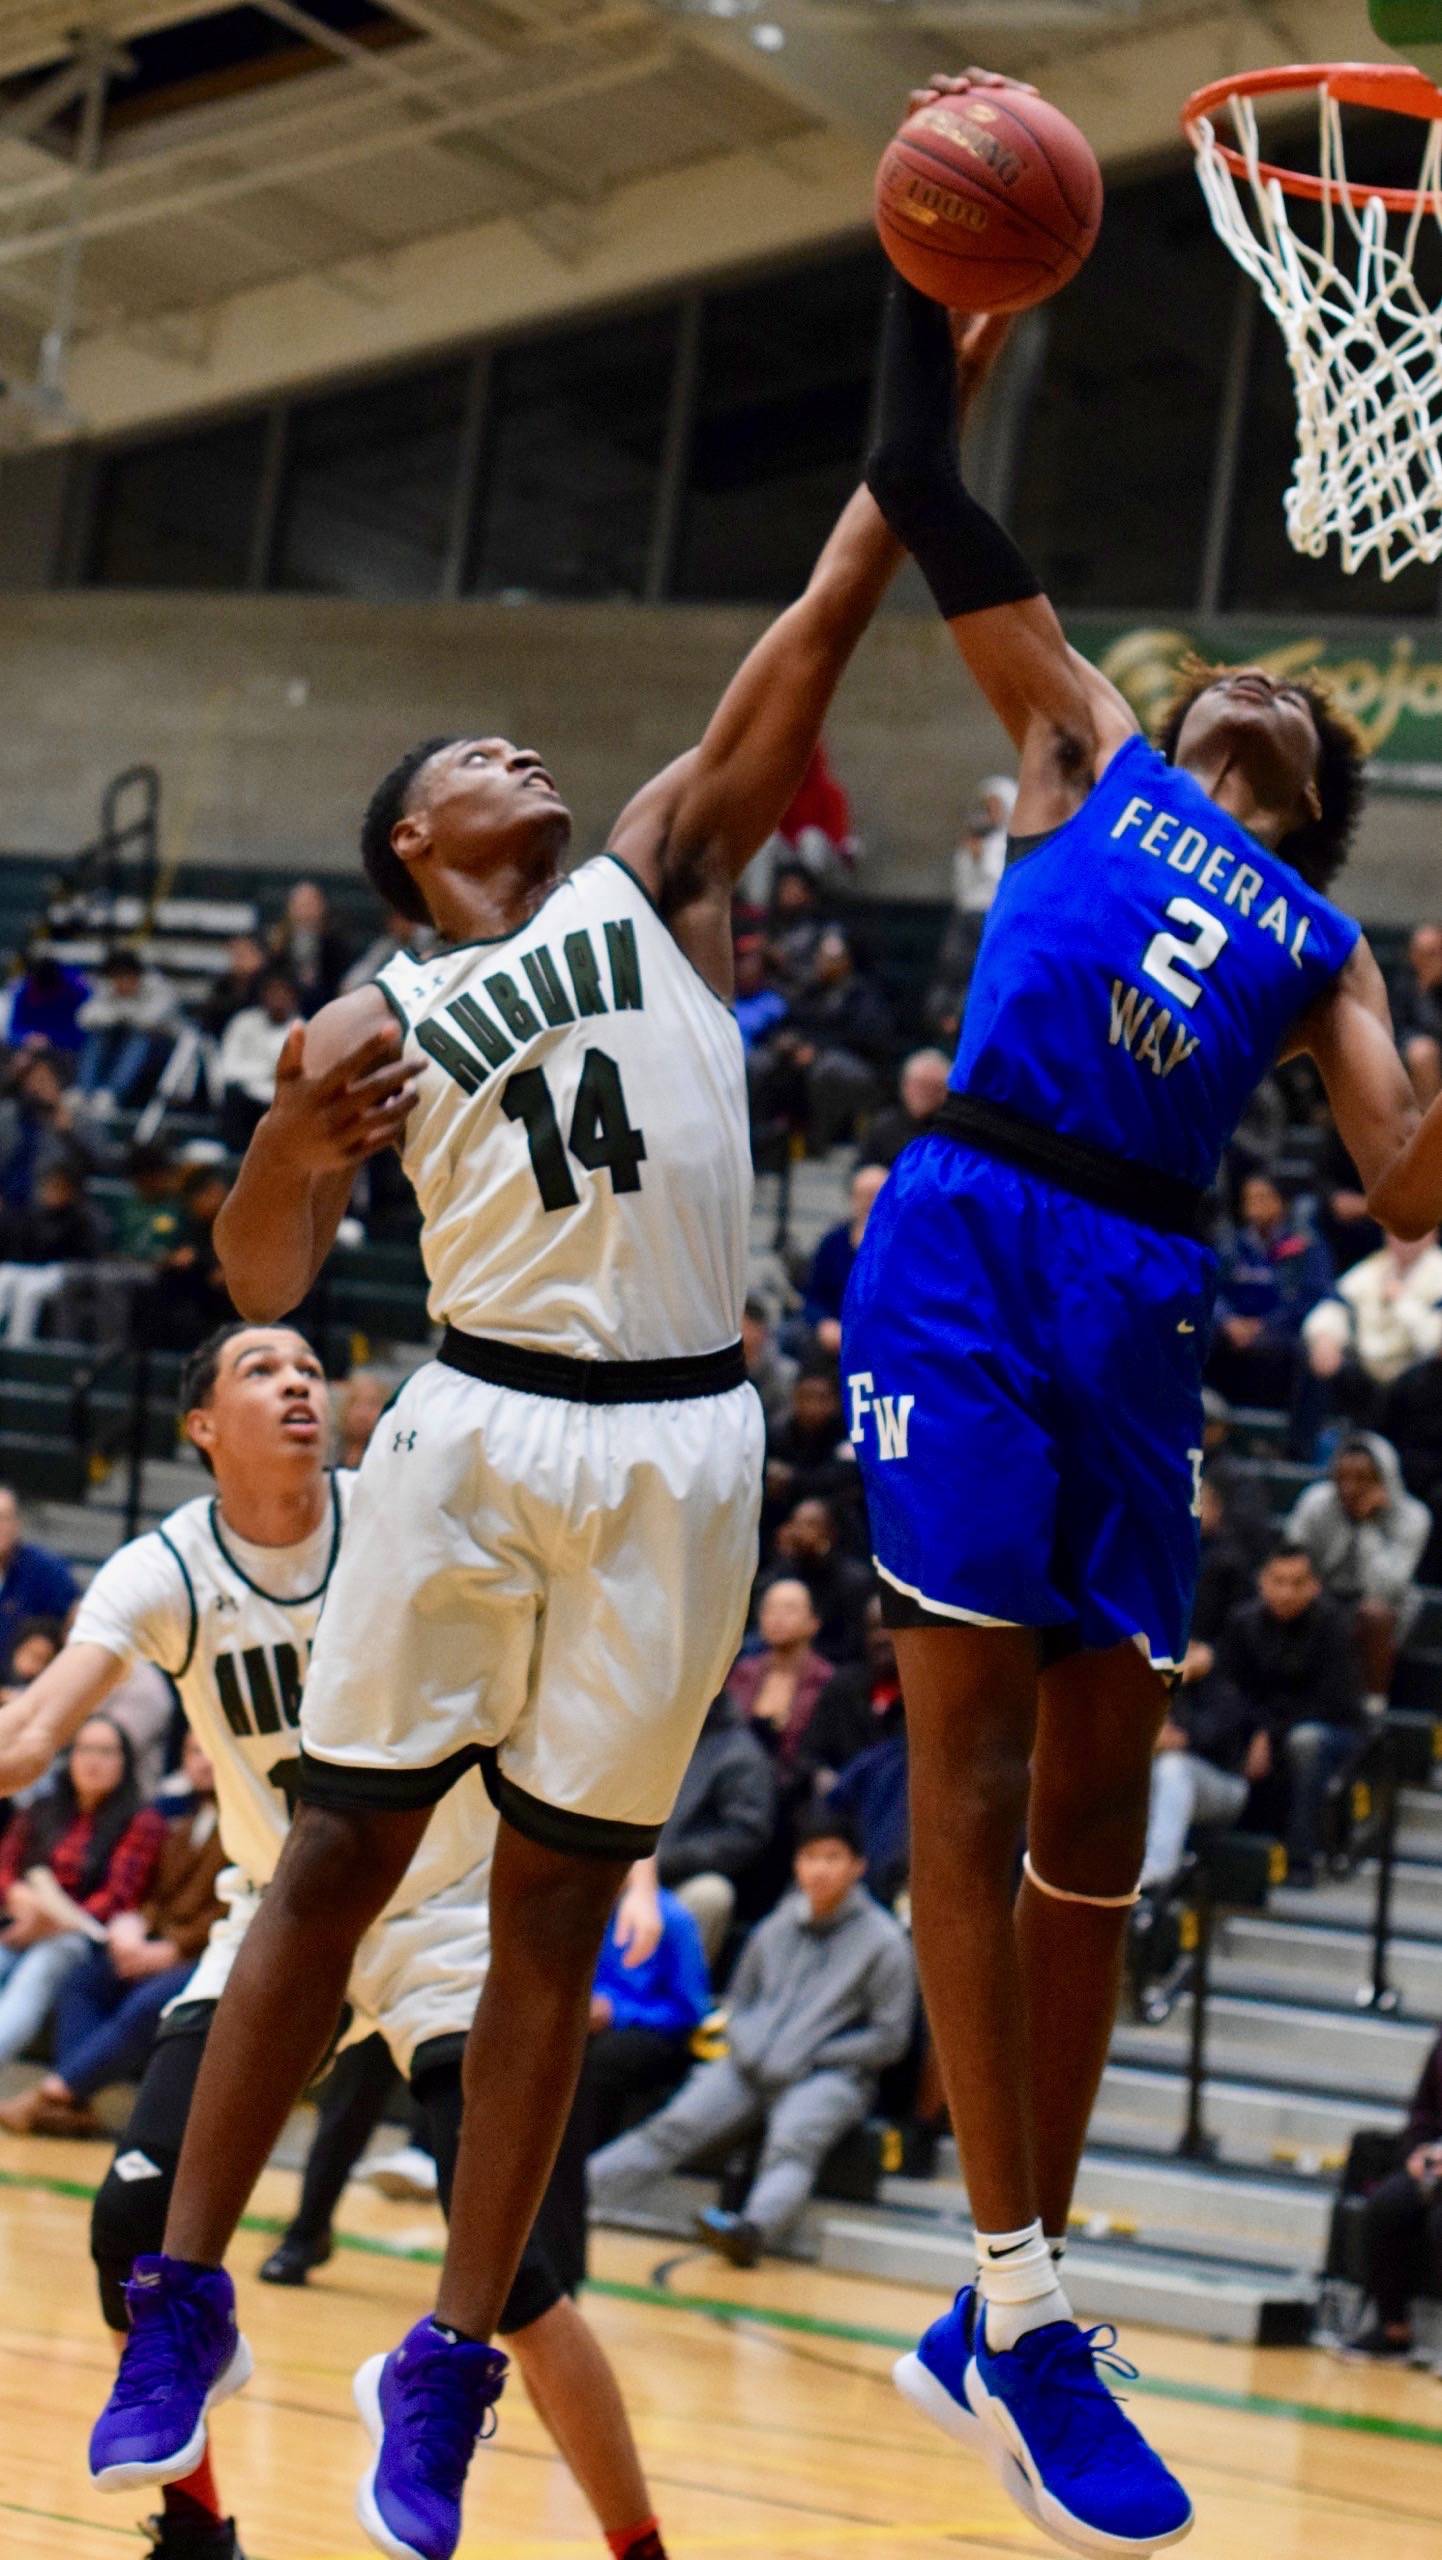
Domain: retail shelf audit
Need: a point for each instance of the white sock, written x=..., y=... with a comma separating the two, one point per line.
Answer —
x=1019, y=2284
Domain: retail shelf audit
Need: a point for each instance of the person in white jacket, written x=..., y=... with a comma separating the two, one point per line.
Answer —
x=1365, y=1535
x=1384, y=1316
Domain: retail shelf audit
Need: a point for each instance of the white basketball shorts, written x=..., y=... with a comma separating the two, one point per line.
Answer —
x=552, y=1589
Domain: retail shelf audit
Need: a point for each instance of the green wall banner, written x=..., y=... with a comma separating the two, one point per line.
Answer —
x=1388, y=676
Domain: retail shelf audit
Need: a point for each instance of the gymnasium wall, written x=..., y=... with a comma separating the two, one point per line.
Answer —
x=270, y=717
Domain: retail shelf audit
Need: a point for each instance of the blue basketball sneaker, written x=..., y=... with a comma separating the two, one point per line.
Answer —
x=425, y=2408
x=933, y=2379
x=184, y=2354
x=1096, y=2484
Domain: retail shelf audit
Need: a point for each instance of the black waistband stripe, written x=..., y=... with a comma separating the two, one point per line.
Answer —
x=551, y=1373
x=1136, y=1191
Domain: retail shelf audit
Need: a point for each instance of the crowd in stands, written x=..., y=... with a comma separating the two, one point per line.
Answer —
x=784, y=1867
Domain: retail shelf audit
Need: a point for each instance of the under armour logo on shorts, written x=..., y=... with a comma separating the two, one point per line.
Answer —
x=132, y=2166
x=404, y=1440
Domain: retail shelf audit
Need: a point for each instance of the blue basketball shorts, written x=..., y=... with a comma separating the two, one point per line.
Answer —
x=1023, y=1380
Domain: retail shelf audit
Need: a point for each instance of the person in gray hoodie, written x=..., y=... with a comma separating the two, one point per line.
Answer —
x=821, y=2003
x=1365, y=1535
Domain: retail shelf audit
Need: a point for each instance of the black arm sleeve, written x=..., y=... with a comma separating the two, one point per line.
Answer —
x=912, y=470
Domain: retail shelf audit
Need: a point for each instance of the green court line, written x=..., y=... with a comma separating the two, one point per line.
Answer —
x=806, y=2324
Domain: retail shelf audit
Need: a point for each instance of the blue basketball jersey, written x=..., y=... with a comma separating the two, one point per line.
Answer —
x=1140, y=970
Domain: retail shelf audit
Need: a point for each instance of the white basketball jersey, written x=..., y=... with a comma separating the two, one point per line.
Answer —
x=233, y=1625
x=580, y=1148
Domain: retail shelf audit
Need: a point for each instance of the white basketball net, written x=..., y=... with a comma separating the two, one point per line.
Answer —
x=1363, y=343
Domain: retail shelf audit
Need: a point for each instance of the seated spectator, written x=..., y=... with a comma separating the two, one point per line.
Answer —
x=1270, y=1277
x=1258, y=1138
x=39, y=1127
x=841, y=1040
x=980, y=857
x=109, y=2008
x=1289, y=1653
x=97, y=1848
x=795, y=925
x=306, y=948
x=810, y=1452
x=39, y=1245
x=1202, y=1773
x=760, y=1008
x=922, y=1091
x=1232, y=1543
x=721, y=1824
x=872, y=1792
x=34, y=1583
x=237, y=987
x=1417, y=1012
x=1344, y=1222
x=643, y=2017
x=836, y=1252
x=1385, y=1316
x=129, y=1025
x=1403, y=2235
x=820, y=2004
x=188, y=1298
x=808, y=1550
x=37, y=1642
x=44, y=1006
x=771, y=1373
x=1365, y=1535
x=859, y=1706
x=147, y=1222
x=776, y=1689
x=363, y=1399
x=816, y=828
x=398, y=933
x=1411, y=1423
x=249, y=1054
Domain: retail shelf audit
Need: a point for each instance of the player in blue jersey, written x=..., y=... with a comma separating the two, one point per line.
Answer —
x=1024, y=1338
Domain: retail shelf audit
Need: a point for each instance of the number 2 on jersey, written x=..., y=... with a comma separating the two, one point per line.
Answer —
x=601, y=1136
x=1168, y=955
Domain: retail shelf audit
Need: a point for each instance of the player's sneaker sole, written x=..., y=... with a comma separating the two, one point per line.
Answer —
x=1047, y=2510
x=179, y=2465
x=367, y=2391
x=918, y=2384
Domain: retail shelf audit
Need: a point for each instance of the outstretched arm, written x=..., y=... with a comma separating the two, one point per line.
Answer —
x=1064, y=717
x=691, y=832
x=342, y=1094
x=50, y=1712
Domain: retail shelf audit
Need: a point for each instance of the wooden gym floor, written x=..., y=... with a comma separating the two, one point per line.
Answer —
x=762, y=2403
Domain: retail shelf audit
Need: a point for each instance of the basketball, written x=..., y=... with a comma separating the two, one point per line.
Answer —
x=989, y=202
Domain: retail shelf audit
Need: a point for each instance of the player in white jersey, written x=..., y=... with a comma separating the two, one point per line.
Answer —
x=555, y=1527
x=225, y=1597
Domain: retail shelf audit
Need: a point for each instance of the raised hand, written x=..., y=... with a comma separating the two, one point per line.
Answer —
x=329, y=1123
x=957, y=84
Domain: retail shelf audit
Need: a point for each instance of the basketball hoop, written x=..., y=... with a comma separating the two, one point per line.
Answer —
x=1363, y=341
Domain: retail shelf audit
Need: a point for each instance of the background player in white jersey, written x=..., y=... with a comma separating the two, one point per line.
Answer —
x=554, y=1533
x=225, y=1596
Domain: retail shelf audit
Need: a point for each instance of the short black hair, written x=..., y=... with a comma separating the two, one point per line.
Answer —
x=202, y=1365
x=393, y=880
x=823, y=1820
x=1288, y=1551
x=125, y=959
x=1358, y=1447
x=1320, y=848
